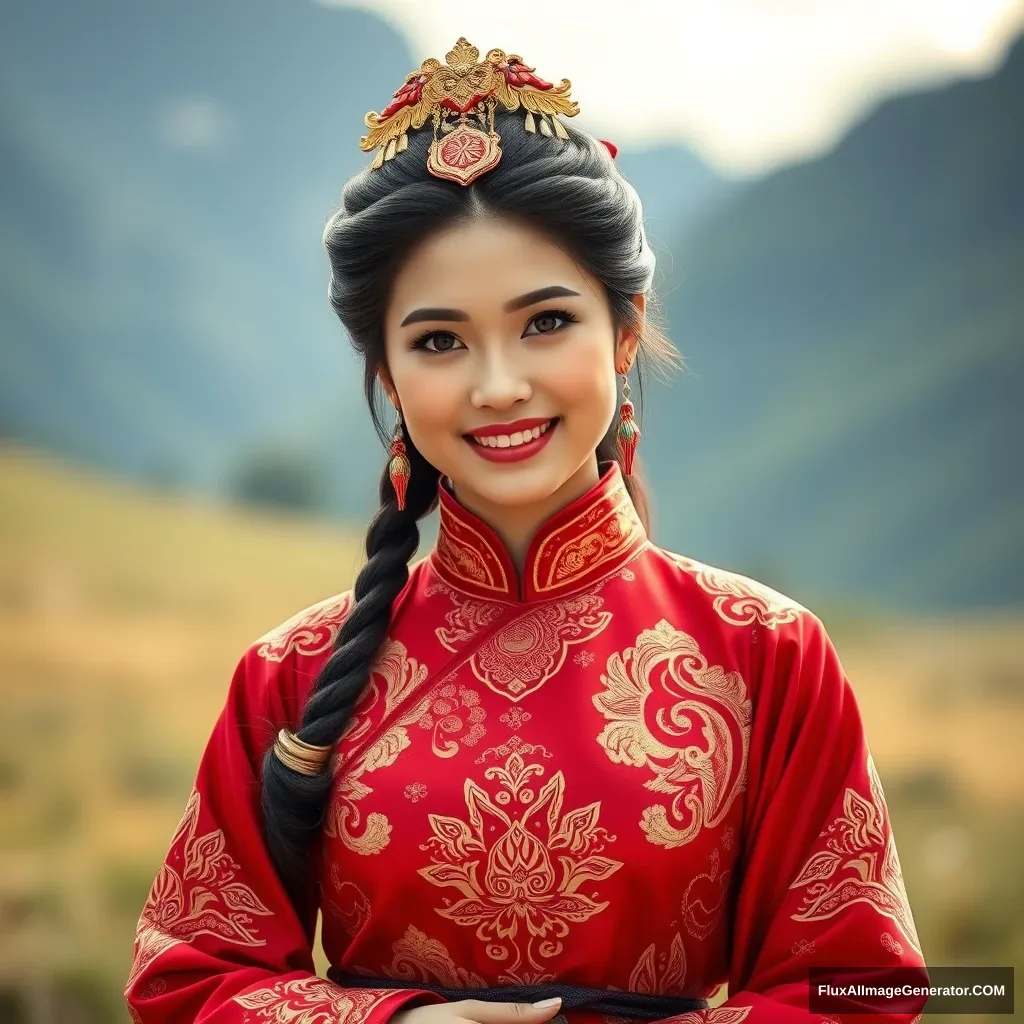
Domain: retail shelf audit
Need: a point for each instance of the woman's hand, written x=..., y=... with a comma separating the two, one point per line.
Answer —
x=477, y=1011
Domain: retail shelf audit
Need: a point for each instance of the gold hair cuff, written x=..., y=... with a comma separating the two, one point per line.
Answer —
x=306, y=758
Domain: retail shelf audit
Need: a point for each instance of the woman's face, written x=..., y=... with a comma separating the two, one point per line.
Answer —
x=491, y=324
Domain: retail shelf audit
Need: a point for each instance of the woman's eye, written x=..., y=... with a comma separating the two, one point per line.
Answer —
x=548, y=323
x=440, y=342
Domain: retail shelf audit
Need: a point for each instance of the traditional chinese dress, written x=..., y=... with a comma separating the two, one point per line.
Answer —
x=625, y=770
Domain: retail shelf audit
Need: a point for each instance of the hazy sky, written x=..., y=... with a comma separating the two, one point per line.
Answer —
x=750, y=84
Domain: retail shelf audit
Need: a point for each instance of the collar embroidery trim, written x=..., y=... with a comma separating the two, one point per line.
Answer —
x=580, y=544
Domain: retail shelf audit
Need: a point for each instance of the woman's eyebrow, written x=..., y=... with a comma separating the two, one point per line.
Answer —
x=418, y=315
x=552, y=291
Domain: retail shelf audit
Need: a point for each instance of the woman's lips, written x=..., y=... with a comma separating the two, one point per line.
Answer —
x=514, y=453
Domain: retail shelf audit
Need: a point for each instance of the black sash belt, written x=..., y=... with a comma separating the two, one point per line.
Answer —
x=635, y=1005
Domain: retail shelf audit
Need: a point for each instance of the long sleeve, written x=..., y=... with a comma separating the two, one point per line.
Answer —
x=820, y=881
x=219, y=942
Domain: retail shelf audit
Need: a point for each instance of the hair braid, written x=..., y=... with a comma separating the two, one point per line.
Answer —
x=293, y=803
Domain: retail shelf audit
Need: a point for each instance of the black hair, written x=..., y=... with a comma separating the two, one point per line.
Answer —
x=572, y=190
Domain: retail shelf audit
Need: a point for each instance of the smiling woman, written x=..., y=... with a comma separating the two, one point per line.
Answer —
x=552, y=765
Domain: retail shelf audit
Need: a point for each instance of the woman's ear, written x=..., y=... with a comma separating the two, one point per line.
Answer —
x=629, y=338
x=384, y=376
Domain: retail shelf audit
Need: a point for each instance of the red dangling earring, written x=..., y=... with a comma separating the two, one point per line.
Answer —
x=399, y=468
x=628, y=432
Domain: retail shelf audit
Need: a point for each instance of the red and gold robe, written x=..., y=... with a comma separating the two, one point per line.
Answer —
x=625, y=770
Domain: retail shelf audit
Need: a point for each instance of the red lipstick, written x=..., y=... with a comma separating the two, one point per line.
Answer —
x=512, y=453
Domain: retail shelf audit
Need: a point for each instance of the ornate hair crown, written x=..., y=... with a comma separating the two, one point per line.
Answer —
x=453, y=95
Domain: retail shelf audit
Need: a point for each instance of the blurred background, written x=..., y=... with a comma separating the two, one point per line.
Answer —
x=836, y=194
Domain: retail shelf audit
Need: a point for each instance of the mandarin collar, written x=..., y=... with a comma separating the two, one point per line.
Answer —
x=580, y=544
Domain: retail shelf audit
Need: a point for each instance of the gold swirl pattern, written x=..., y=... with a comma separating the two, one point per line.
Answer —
x=309, y=632
x=521, y=908
x=702, y=713
x=859, y=864
x=739, y=600
x=311, y=1001
x=204, y=897
x=401, y=675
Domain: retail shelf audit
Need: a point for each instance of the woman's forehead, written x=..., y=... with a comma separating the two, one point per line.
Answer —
x=487, y=259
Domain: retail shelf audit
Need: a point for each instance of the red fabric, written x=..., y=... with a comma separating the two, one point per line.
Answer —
x=631, y=771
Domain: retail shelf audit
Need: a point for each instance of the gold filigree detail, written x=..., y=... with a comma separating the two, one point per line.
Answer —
x=420, y=958
x=196, y=893
x=311, y=1001
x=665, y=681
x=460, y=86
x=467, y=555
x=859, y=843
x=309, y=632
x=521, y=907
x=400, y=675
x=739, y=600
x=598, y=535
x=522, y=654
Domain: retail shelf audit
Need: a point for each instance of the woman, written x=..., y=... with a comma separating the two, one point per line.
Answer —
x=550, y=762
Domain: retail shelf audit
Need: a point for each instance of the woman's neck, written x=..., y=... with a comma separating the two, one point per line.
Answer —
x=516, y=525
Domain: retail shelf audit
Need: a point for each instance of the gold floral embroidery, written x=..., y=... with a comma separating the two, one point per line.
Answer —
x=311, y=631
x=401, y=675
x=351, y=906
x=521, y=655
x=860, y=843
x=740, y=600
x=579, y=548
x=521, y=907
x=311, y=1001
x=201, y=897
x=419, y=958
x=454, y=715
x=415, y=791
x=699, y=755
x=515, y=718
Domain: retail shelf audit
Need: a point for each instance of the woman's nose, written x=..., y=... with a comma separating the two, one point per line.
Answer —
x=502, y=382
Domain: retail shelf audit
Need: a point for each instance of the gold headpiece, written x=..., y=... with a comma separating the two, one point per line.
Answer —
x=453, y=93
x=306, y=758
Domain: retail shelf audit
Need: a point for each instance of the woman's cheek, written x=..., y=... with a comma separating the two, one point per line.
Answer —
x=582, y=384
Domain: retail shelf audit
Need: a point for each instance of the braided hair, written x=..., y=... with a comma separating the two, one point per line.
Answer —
x=573, y=191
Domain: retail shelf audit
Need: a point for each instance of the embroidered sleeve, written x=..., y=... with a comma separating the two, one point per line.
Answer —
x=820, y=882
x=219, y=942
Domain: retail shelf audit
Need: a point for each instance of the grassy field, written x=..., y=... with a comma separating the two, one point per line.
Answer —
x=123, y=613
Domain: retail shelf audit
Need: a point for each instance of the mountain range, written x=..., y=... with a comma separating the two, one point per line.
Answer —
x=848, y=419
